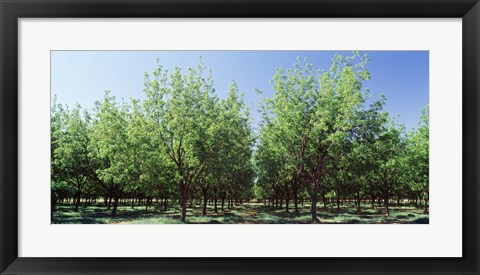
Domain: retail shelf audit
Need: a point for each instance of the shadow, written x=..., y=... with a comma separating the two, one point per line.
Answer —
x=248, y=213
x=352, y=221
x=421, y=220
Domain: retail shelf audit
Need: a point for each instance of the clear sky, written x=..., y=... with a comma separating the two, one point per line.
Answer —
x=83, y=76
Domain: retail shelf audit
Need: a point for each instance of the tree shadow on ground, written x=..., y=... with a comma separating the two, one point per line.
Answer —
x=420, y=220
x=248, y=213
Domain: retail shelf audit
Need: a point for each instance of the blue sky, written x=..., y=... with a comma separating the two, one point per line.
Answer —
x=83, y=76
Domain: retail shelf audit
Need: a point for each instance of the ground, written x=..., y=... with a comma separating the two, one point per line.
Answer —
x=247, y=213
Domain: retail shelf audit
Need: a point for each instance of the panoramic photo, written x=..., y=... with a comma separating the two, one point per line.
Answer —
x=239, y=137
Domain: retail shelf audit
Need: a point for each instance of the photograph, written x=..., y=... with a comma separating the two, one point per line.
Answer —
x=239, y=137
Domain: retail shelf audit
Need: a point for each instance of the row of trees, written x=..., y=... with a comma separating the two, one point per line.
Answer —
x=320, y=138
x=182, y=140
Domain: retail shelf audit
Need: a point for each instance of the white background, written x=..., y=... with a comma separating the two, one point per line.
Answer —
x=441, y=238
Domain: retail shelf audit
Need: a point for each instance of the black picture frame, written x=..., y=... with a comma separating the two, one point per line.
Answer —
x=12, y=10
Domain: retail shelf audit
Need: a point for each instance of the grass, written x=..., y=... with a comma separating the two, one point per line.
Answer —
x=247, y=213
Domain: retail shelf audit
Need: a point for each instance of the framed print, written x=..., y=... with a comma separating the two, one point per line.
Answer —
x=254, y=137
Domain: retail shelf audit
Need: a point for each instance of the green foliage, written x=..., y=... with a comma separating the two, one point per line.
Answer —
x=109, y=136
x=61, y=190
x=70, y=142
x=318, y=130
x=415, y=168
x=207, y=141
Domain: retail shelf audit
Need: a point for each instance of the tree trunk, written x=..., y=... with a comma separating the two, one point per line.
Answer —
x=386, y=205
x=287, y=201
x=358, y=199
x=184, y=201
x=149, y=201
x=109, y=202
x=215, y=200
x=115, y=204
x=53, y=202
x=295, y=200
x=314, y=198
x=205, y=200
x=77, y=200
x=426, y=205
x=314, y=209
